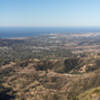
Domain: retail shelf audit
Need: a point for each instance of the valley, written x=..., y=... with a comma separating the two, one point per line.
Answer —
x=50, y=67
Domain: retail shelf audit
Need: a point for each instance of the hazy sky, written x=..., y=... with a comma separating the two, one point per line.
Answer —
x=50, y=13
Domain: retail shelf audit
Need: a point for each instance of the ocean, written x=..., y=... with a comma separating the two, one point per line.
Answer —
x=9, y=32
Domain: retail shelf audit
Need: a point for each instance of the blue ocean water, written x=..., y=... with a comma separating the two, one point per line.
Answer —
x=8, y=32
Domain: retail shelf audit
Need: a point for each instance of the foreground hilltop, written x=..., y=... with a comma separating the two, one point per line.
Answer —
x=36, y=79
